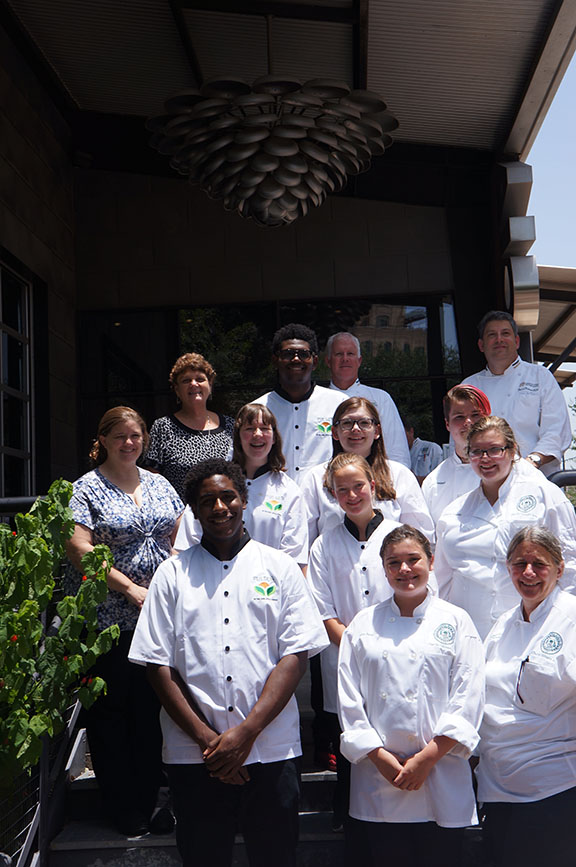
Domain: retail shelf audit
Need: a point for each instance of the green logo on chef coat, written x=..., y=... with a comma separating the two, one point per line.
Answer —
x=526, y=504
x=265, y=589
x=552, y=643
x=273, y=505
x=445, y=633
x=324, y=427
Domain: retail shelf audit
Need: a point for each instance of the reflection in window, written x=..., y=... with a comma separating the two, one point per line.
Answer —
x=399, y=357
x=15, y=386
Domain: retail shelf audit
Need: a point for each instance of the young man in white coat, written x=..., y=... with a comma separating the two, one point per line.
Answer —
x=225, y=632
x=303, y=410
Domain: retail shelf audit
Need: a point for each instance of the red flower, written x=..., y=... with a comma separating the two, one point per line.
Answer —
x=83, y=681
x=84, y=577
x=90, y=679
x=14, y=533
x=14, y=638
x=65, y=658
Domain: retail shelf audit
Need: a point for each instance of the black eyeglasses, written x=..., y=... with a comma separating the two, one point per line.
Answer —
x=288, y=354
x=347, y=424
x=492, y=452
x=519, y=678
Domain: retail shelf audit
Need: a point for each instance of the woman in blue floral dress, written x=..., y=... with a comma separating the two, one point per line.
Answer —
x=136, y=513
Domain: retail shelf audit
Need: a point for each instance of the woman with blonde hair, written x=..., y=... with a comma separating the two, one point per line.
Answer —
x=193, y=433
x=346, y=576
x=474, y=531
x=356, y=429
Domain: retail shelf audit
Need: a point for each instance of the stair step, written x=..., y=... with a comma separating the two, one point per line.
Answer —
x=85, y=843
x=83, y=801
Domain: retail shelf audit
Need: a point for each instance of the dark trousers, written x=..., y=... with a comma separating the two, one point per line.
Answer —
x=124, y=734
x=209, y=813
x=409, y=844
x=341, y=800
x=532, y=834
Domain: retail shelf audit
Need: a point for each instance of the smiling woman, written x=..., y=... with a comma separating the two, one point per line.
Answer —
x=528, y=735
x=275, y=513
x=136, y=514
x=193, y=433
x=473, y=532
x=410, y=690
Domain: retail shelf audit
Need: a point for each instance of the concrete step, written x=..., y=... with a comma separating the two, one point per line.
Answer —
x=83, y=801
x=89, y=843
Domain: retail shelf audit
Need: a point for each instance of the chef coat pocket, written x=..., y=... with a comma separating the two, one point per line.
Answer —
x=436, y=670
x=540, y=687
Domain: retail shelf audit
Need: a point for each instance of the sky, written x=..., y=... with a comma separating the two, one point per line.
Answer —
x=553, y=198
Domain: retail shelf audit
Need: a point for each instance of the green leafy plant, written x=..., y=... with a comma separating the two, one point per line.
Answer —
x=43, y=671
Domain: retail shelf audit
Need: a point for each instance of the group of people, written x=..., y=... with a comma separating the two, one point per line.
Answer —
x=298, y=530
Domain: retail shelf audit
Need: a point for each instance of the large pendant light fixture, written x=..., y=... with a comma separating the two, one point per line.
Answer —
x=276, y=148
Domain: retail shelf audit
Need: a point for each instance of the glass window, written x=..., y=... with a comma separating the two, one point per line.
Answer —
x=15, y=386
x=130, y=354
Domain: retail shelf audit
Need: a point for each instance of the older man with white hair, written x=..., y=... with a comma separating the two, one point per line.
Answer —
x=344, y=359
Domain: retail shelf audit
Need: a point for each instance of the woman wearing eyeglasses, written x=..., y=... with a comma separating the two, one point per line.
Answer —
x=474, y=531
x=356, y=429
x=526, y=779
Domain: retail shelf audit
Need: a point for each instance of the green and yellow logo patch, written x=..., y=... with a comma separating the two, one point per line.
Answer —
x=265, y=588
x=273, y=505
x=325, y=427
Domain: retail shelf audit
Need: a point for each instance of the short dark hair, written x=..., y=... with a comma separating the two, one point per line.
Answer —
x=496, y=316
x=213, y=467
x=466, y=392
x=401, y=534
x=295, y=331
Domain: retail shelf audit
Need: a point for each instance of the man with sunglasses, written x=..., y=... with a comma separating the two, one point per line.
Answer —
x=303, y=410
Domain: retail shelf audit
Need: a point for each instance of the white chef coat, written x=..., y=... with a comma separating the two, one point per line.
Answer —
x=401, y=682
x=409, y=507
x=346, y=575
x=424, y=456
x=452, y=478
x=274, y=515
x=473, y=536
x=529, y=398
x=224, y=625
x=306, y=428
x=528, y=750
x=390, y=422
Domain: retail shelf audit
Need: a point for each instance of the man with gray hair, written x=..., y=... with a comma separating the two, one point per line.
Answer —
x=526, y=395
x=344, y=359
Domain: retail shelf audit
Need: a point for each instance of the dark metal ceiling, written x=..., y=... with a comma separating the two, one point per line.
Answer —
x=457, y=73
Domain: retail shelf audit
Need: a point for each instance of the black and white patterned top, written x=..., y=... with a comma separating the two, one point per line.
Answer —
x=139, y=537
x=175, y=447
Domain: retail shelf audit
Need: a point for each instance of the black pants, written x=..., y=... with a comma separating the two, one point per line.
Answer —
x=534, y=833
x=409, y=844
x=208, y=814
x=124, y=734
